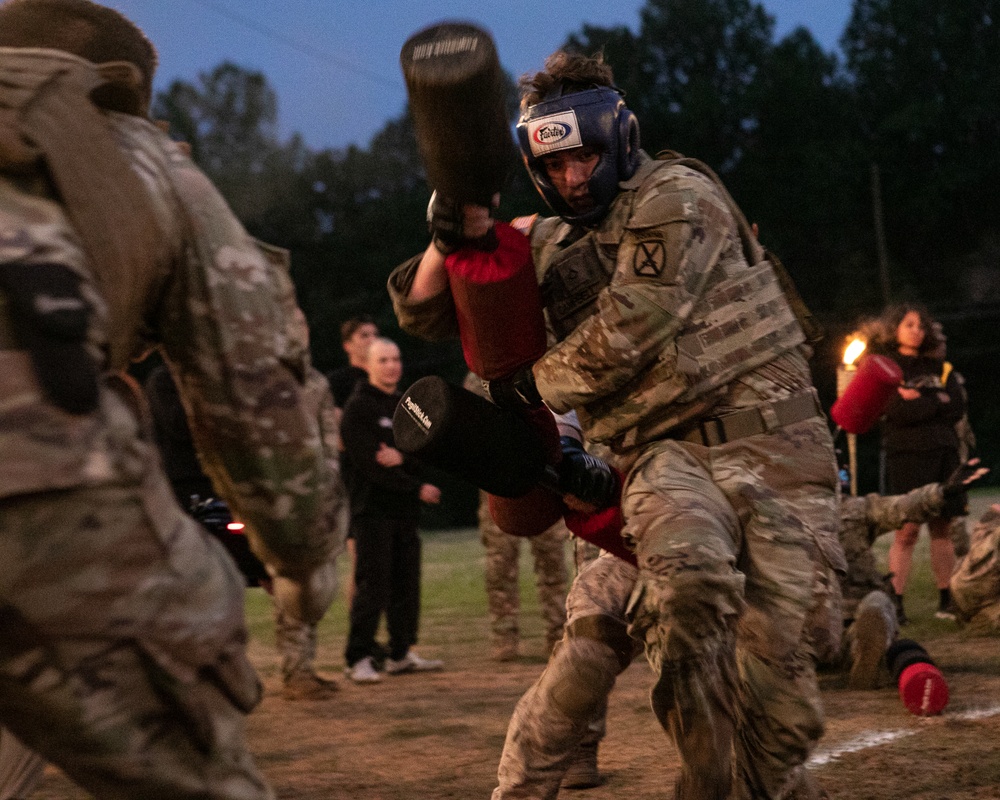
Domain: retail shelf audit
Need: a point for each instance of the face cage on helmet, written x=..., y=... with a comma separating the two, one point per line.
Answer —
x=596, y=118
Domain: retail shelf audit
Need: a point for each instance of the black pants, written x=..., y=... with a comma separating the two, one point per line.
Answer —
x=386, y=580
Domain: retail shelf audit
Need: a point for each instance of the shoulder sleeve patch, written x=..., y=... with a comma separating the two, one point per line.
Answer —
x=649, y=258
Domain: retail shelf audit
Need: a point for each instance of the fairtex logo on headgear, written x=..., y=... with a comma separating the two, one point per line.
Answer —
x=554, y=132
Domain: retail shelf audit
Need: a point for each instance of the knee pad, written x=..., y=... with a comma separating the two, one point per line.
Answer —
x=306, y=600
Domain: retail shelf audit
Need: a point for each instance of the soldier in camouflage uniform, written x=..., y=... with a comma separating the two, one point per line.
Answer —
x=122, y=636
x=555, y=732
x=975, y=585
x=296, y=638
x=502, y=586
x=503, y=592
x=869, y=612
x=678, y=347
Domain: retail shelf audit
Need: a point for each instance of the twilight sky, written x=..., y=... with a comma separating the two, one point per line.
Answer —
x=335, y=64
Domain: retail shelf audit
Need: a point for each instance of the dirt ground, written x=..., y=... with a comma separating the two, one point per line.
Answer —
x=439, y=735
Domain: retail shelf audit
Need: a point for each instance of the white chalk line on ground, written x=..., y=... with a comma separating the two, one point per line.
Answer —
x=871, y=739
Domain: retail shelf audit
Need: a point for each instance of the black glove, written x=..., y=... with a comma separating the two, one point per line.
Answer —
x=955, y=489
x=515, y=392
x=445, y=220
x=584, y=476
x=956, y=502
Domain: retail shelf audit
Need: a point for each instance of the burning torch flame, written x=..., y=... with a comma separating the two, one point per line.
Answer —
x=853, y=351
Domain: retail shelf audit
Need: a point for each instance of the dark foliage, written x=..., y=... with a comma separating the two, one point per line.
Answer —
x=822, y=150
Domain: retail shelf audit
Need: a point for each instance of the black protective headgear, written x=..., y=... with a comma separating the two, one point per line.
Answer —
x=595, y=118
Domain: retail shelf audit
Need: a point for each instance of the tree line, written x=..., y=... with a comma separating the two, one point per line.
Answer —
x=869, y=171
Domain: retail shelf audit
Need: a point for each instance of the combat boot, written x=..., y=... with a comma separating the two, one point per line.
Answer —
x=304, y=685
x=504, y=648
x=873, y=630
x=582, y=772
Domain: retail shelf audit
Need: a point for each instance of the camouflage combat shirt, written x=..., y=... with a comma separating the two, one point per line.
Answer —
x=634, y=302
x=221, y=307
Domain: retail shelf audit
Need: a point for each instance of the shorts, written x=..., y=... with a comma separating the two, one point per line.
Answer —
x=914, y=468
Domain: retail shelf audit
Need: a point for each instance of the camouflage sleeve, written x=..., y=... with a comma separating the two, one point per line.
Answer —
x=432, y=319
x=884, y=514
x=238, y=344
x=677, y=228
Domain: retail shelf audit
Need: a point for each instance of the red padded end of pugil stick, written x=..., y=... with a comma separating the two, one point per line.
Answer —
x=498, y=305
x=868, y=394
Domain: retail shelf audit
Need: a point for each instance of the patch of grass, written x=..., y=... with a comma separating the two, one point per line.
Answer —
x=260, y=614
x=454, y=610
x=453, y=607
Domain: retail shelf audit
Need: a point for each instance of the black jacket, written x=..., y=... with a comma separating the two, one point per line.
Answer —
x=374, y=490
x=343, y=381
x=927, y=423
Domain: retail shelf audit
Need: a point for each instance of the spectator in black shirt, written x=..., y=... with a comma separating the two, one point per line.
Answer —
x=385, y=493
x=356, y=334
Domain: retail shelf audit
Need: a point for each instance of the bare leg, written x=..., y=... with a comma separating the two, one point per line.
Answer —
x=942, y=552
x=901, y=555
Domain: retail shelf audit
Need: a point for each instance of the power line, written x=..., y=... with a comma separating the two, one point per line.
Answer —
x=295, y=44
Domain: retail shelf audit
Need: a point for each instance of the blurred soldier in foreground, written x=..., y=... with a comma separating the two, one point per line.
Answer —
x=295, y=636
x=678, y=347
x=122, y=636
x=21, y=769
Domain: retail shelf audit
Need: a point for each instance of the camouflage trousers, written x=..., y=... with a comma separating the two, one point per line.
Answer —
x=737, y=549
x=567, y=705
x=296, y=641
x=975, y=584
x=735, y=596
x=503, y=592
x=298, y=608
x=122, y=645
x=20, y=768
x=300, y=603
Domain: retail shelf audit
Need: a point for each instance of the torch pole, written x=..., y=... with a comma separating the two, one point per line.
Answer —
x=845, y=372
x=852, y=461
